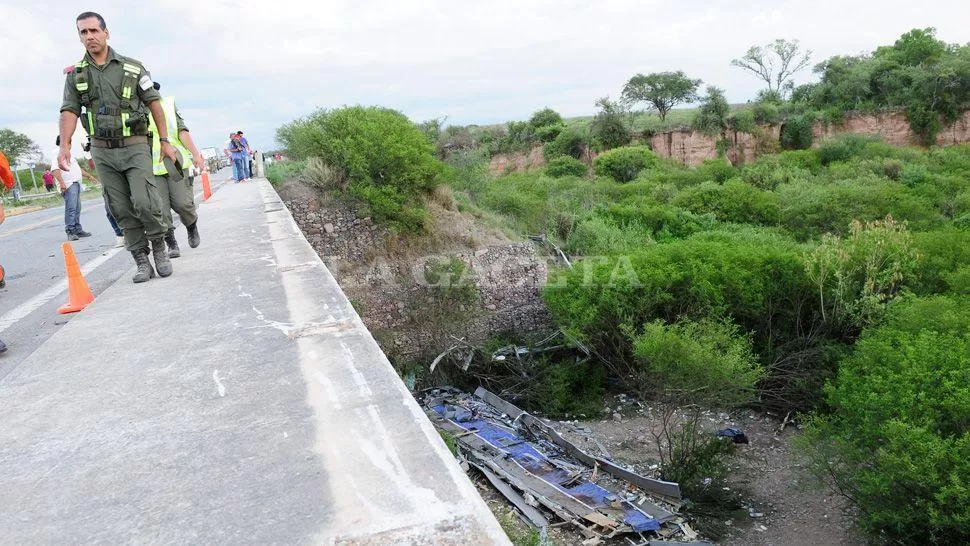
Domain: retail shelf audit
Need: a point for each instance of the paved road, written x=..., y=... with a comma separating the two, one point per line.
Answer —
x=250, y=406
x=30, y=251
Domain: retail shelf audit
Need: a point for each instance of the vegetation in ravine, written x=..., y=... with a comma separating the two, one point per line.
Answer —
x=829, y=279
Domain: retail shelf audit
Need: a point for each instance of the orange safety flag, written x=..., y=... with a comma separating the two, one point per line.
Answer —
x=6, y=175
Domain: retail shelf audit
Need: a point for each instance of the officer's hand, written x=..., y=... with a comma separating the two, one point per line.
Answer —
x=64, y=159
x=198, y=162
x=168, y=151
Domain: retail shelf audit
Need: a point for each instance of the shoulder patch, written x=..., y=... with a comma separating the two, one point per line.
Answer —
x=69, y=69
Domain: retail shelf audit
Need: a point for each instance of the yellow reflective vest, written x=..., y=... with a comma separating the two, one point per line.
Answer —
x=158, y=166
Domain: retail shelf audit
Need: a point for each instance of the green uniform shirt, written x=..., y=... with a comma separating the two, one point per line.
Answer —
x=105, y=85
x=179, y=122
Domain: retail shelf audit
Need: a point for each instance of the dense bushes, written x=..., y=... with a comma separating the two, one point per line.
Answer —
x=897, y=442
x=757, y=279
x=944, y=265
x=566, y=143
x=624, y=164
x=608, y=129
x=796, y=133
x=378, y=153
x=925, y=77
x=734, y=201
x=565, y=166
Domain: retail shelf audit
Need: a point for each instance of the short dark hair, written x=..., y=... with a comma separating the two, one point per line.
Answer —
x=90, y=14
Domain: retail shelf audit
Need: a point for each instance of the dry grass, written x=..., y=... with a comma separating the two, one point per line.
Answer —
x=444, y=197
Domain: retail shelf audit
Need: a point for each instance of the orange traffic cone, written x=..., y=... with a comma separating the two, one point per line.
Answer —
x=206, y=189
x=79, y=295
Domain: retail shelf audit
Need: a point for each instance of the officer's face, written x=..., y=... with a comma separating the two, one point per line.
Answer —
x=94, y=38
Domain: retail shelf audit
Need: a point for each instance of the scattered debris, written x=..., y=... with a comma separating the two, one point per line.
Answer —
x=735, y=434
x=546, y=477
x=542, y=239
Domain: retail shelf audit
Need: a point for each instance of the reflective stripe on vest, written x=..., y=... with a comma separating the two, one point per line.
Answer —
x=158, y=166
x=125, y=129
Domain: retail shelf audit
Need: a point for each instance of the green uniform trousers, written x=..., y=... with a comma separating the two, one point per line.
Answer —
x=177, y=195
x=129, y=188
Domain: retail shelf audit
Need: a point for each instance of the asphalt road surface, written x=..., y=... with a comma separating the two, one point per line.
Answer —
x=30, y=252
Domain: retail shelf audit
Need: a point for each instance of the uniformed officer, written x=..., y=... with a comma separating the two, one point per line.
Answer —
x=173, y=179
x=117, y=93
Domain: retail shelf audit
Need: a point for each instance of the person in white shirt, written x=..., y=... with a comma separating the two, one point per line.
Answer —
x=69, y=183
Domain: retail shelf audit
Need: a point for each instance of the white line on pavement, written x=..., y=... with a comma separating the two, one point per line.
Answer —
x=31, y=305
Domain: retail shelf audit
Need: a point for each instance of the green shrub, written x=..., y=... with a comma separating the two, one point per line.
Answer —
x=281, y=171
x=772, y=171
x=857, y=276
x=537, y=203
x=468, y=170
x=545, y=118
x=565, y=166
x=810, y=209
x=708, y=274
x=624, y=164
x=686, y=366
x=743, y=121
x=707, y=362
x=796, y=133
x=567, y=143
x=718, y=170
x=385, y=159
x=519, y=136
x=766, y=113
x=569, y=388
x=608, y=129
x=660, y=221
x=844, y=147
x=548, y=133
x=801, y=159
x=944, y=261
x=598, y=235
x=735, y=201
x=899, y=428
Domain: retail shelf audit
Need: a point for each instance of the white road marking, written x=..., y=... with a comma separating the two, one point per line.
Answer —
x=31, y=305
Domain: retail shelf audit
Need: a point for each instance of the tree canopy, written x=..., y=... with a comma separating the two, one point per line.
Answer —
x=661, y=90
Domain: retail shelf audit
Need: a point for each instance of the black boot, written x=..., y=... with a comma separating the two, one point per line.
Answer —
x=173, y=245
x=194, y=238
x=162, y=263
x=145, y=270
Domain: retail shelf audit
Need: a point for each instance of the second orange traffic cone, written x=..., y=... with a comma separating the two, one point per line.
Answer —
x=206, y=188
x=79, y=295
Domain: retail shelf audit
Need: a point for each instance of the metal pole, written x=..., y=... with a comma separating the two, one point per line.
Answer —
x=34, y=178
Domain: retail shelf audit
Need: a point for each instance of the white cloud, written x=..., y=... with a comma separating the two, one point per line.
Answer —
x=253, y=65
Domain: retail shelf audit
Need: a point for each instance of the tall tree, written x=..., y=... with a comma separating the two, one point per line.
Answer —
x=608, y=128
x=712, y=116
x=775, y=63
x=17, y=146
x=661, y=90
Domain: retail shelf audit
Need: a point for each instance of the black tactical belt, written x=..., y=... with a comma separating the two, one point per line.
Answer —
x=118, y=142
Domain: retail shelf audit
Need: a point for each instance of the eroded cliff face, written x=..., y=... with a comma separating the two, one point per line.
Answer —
x=692, y=148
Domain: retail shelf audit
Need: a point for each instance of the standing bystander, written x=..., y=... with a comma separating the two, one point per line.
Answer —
x=69, y=182
x=239, y=155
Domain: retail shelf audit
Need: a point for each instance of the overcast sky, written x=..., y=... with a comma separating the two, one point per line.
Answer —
x=253, y=66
